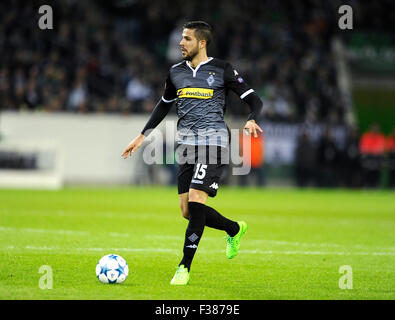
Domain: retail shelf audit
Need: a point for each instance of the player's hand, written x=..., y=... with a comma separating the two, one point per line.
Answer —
x=133, y=146
x=251, y=127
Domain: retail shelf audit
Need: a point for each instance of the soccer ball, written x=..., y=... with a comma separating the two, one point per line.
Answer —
x=112, y=268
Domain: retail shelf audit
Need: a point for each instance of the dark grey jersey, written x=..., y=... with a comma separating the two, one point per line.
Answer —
x=199, y=94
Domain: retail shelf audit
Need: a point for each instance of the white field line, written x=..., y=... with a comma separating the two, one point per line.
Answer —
x=258, y=252
x=280, y=242
x=63, y=249
x=181, y=238
x=61, y=232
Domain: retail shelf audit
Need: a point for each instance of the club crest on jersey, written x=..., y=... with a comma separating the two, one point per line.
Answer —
x=210, y=80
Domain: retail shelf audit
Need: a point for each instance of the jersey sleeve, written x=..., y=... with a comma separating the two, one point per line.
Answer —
x=163, y=106
x=235, y=82
x=158, y=114
x=170, y=93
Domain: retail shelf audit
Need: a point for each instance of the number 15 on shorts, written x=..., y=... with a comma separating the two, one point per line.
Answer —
x=200, y=172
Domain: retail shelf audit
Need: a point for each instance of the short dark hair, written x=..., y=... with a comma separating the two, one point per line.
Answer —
x=202, y=30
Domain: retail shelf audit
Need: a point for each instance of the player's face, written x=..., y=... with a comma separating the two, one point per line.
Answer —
x=189, y=44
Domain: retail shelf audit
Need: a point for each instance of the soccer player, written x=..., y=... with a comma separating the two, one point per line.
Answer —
x=198, y=87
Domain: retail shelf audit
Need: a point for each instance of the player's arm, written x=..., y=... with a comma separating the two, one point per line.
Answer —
x=237, y=84
x=160, y=111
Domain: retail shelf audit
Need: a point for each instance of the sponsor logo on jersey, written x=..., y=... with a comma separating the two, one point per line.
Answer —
x=196, y=93
x=193, y=246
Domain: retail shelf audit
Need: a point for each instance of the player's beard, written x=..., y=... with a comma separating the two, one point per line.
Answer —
x=192, y=54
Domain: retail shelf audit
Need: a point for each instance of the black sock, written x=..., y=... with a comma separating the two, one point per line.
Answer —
x=194, y=232
x=217, y=221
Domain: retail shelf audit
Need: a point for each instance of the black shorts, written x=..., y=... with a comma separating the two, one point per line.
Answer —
x=200, y=167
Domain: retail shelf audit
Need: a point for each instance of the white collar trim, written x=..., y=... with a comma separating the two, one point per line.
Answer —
x=194, y=71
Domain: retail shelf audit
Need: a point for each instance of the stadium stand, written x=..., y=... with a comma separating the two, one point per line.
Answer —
x=112, y=57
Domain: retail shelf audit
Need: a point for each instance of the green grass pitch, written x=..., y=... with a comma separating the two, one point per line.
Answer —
x=295, y=244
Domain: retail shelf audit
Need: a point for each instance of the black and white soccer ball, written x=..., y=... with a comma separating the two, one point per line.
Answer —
x=112, y=268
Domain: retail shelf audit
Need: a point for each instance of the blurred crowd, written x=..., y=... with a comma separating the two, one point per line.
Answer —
x=364, y=160
x=113, y=56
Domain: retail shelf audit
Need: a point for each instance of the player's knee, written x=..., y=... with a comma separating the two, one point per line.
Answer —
x=197, y=196
x=184, y=209
x=185, y=213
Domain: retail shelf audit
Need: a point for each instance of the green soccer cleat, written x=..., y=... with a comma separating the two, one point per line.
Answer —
x=233, y=244
x=181, y=278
